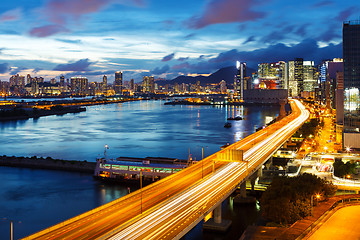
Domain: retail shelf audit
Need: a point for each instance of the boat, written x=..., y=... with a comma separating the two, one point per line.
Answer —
x=227, y=125
x=235, y=118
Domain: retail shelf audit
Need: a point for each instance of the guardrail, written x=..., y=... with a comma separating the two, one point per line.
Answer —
x=345, y=202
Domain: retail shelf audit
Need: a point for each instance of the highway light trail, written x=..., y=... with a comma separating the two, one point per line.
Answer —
x=163, y=219
x=173, y=204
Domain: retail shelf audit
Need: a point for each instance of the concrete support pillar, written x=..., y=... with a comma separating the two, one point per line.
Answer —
x=217, y=223
x=243, y=190
x=217, y=214
x=282, y=108
x=269, y=163
x=252, y=181
x=260, y=171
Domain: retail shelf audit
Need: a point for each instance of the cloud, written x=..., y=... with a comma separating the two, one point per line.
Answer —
x=331, y=33
x=69, y=41
x=249, y=39
x=301, y=31
x=307, y=49
x=183, y=59
x=4, y=67
x=168, y=57
x=11, y=15
x=80, y=66
x=345, y=14
x=62, y=13
x=225, y=11
x=47, y=30
x=322, y=4
x=159, y=71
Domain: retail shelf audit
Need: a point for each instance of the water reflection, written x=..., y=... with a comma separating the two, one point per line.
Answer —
x=134, y=129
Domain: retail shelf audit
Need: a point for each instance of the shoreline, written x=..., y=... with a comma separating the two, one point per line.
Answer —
x=222, y=104
x=48, y=163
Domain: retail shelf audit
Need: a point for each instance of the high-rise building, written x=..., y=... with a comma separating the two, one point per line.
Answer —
x=104, y=84
x=132, y=84
x=351, y=55
x=118, y=83
x=223, y=86
x=79, y=85
x=274, y=75
x=293, y=89
x=239, y=83
x=299, y=74
x=309, y=76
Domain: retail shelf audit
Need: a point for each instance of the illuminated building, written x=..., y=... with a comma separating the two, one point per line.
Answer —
x=79, y=85
x=239, y=83
x=104, y=84
x=132, y=86
x=309, y=73
x=293, y=89
x=148, y=84
x=118, y=83
x=275, y=75
x=351, y=54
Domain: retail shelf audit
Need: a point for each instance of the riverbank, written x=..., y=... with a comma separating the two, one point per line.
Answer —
x=47, y=163
x=23, y=114
x=184, y=102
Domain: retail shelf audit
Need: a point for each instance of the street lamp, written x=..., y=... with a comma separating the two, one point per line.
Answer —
x=141, y=191
x=348, y=149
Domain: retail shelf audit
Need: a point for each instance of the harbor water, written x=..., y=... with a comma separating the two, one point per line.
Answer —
x=35, y=199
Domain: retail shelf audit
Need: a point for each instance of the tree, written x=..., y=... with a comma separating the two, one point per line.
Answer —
x=342, y=169
x=287, y=200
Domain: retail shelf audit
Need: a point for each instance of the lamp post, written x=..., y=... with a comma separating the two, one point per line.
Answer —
x=202, y=162
x=141, y=191
x=11, y=230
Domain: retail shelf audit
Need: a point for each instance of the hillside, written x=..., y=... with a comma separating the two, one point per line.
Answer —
x=226, y=73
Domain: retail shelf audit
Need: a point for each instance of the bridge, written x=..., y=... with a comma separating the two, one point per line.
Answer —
x=169, y=208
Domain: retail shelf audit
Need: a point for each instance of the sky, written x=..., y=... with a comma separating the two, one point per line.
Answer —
x=164, y=38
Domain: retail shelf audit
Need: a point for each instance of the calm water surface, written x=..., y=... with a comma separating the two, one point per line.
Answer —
x=36, y=199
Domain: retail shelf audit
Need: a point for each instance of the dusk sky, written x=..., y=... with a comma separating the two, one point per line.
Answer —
x=164, y=38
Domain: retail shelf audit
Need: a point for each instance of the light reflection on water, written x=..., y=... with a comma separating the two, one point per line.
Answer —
x=41, y=198
x=133, y=129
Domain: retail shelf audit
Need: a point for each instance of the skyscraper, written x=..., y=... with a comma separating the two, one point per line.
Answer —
x=239, y=85
x=351, y=54
x=118, y=83
x=299, y=74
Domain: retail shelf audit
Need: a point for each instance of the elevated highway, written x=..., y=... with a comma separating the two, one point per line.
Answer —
x=169, y=208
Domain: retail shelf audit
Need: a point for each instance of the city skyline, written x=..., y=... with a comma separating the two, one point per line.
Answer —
x=164, y=39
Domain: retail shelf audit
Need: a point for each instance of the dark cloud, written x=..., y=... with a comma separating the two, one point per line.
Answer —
x=274, y=36
x=158, y=71
x=226, y=11
x=183, y=59
x=47, y=30
x=301, y=31
x=322, y=4
x=249, y=40
x=191, y=35
x=345, y=14
x=307, y=49
x=332, y=32
x=168, y=57
x=80, y=66
x=4, y=67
